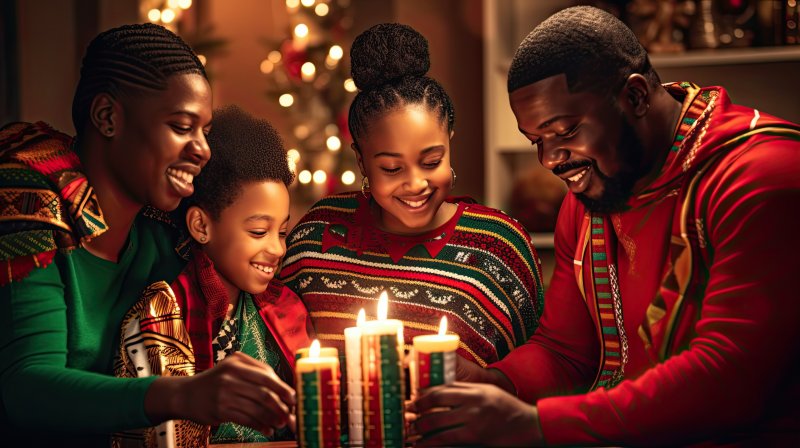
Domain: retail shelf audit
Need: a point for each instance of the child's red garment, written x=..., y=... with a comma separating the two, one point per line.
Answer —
x=203, y=301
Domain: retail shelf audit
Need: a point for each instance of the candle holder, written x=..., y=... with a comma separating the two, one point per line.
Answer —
x=318, y=402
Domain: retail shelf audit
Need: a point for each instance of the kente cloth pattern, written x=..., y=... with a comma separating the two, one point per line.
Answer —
x=246, y=332
x=46, y=204
x=479, y=269
x=203, y=302
x=154, y=325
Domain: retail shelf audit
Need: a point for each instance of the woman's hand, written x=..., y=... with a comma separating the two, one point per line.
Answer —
x=239, y=389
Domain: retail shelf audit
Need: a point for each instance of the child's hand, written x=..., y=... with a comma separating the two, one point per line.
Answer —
x=239, y=389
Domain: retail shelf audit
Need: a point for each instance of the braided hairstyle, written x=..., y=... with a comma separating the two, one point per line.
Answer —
x=246, y=149
x=388, y=65
x=594, y=49
x=140, y=56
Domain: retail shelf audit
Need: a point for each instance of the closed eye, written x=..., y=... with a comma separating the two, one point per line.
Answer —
x=390, y=170
x=257, y=233
x=181, y=129
x=569, y=133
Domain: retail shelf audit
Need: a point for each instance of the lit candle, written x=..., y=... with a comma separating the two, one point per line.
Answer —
x=324, y=352
x=434, y=359
x=318, y=399
x=355, y=405
x=383, y=378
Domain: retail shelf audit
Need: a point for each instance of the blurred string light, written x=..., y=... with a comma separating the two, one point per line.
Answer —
x=350, y=85
x=167, y=15
x=307, y=3
x=321, y=10
x=307, y=71
x=292, y=4
x=348, y=177
x=320, y=177
x=301, y=30
x=333, y=143
x=286, y=100
x=304, y=177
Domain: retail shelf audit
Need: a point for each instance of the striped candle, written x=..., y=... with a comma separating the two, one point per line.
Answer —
x=324, y=352
x=318, y=400
x=355, y=402
x=434, y=359
x=383, y=380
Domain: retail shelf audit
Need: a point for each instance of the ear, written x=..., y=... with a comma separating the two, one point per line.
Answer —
x=198, y=222
x=635, y=96
x=103, y=114
x=359, y=159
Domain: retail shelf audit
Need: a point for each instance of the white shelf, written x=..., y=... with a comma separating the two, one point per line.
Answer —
x=727, y=56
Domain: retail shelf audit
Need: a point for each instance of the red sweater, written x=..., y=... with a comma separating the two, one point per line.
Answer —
x=730, y=370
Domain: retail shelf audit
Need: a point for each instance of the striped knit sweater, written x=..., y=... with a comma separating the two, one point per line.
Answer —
x=479, y=269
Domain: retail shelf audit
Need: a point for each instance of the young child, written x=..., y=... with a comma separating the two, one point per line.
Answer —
x=230, y=302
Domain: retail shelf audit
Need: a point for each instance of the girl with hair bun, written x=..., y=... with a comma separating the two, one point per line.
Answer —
x=433, y=254
x=83, y=231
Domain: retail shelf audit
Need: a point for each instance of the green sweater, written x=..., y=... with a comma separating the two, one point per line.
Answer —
x=59, y=333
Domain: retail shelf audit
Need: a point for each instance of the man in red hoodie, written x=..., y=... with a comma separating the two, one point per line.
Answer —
x=672, y=316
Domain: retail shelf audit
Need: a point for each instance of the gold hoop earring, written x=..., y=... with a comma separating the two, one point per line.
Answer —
x=364, y=186
x=453, y=181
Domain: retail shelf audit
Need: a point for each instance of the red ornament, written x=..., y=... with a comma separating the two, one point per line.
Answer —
x=293, y=59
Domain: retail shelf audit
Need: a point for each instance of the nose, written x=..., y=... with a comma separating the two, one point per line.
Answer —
x=198, y=150
x=551, y=157
x=275, y=245
x=416, y=182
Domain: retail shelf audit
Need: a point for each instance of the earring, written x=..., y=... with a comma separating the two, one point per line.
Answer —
x=364, y=186
x=453, y=181
x=109, y=131
x=202, y=239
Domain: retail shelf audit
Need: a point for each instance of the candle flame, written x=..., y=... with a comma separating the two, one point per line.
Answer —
x=383, y=306
x=314, y=351
x=443, y=326
x=362, y=317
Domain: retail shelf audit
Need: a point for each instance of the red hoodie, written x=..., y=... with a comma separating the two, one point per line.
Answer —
x=679, y=314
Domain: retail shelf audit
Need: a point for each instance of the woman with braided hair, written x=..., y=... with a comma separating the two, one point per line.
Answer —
x=433, y=254
x=83, y=232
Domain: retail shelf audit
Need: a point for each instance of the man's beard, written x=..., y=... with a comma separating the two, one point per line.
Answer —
x=617, y=189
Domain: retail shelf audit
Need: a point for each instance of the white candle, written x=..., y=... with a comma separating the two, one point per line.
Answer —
x=355, y=406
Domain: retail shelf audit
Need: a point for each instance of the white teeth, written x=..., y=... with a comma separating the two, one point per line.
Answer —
x=415, y=204
x=578, y=176
x=262, y=268
x=180, y=174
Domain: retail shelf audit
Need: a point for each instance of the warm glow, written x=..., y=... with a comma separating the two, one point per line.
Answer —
x=313, y=351
x=443, y=326
x=291, y=4
x=167, y=16
x=154, y=15
x=331, y=129
x=267, y=66
x=330, y=62
x=293, y=155
x=184, y=4
x=336, y=52
x=292, y=165
x=172, y=4
x=320, y=177
x=274, y=56
x=202, y=59
x=322, y=10
x=304, y=177
x=286, y=100
x=383, y=306
x=301, y=30
x=348, y=177
x=307, y=71
x=301, y=131
x=333, y=143
x=349, y=85
x=362, y=317
x=307, y=3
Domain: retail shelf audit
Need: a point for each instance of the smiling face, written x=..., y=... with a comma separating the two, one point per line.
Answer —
x=159, y=142
x=406, y=156
x=248, y=240
x=584, y=139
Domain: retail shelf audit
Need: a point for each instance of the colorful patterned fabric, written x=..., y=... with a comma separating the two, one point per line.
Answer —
x=154, y=341
x=46, y=204
x=479, y=269
x=204, y=302
x=246, y=332
x=700, y=268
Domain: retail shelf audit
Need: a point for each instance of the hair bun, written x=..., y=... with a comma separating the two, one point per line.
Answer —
x=386, y=53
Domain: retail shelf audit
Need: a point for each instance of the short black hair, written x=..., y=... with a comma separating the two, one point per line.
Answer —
x=139, y=56
x=388, y=65
x=244, y=149
x=594, y=49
